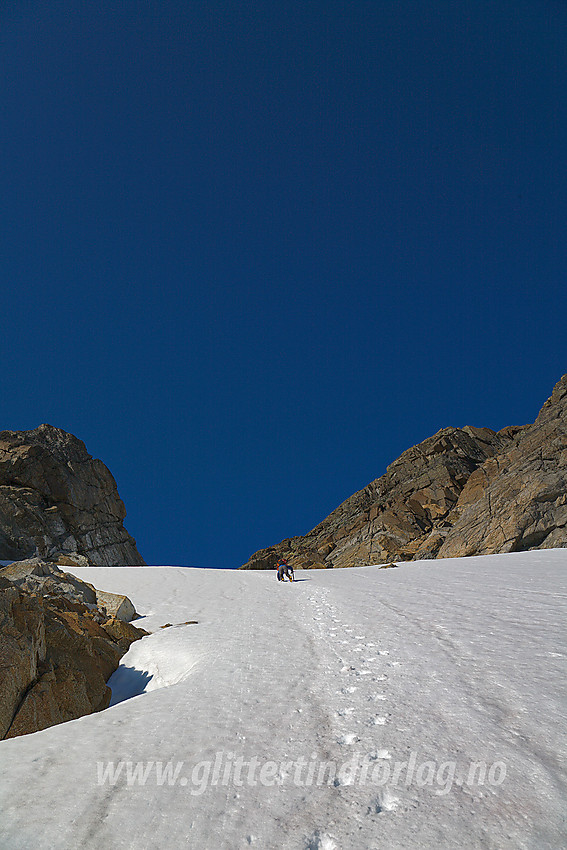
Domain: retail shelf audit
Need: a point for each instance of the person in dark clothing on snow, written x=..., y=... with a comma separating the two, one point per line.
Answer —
x=284, y=570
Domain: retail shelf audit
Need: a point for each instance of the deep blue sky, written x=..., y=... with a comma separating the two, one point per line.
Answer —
x=252, y=251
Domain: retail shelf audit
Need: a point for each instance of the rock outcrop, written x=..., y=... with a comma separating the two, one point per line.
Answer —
x=57, y=501
x=57, y=648
x=517, y=500
x=45, y=579
x=461, y=492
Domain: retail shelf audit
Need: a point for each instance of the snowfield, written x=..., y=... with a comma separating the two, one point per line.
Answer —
x=417, y=707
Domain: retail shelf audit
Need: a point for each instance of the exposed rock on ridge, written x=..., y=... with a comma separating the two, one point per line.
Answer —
x=517, y=500
x=461, y=492
x=56, y=500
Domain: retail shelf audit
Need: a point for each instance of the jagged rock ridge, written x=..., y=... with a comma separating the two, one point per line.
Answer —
x=56, y=500
x=469, y=491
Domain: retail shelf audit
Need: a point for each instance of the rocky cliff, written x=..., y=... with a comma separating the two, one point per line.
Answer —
x=56, y=500
x=469, y=491
x=60, y=641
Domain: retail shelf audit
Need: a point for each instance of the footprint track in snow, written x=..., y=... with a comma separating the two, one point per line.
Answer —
x=377, y=755
x=349, y=738
x=384, y=802
x=345, y=712
x=322, y=840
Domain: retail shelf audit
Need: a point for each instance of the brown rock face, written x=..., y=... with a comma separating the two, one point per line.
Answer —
x=461, y=492
x=517, y=500
x=56, y=655
x=58, y=501
x=22, y=649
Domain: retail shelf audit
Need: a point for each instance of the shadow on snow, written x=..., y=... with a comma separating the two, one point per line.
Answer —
x=127, y=682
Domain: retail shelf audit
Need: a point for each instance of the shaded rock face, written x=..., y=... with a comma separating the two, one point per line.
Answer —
x=58, y=501
x=56, y=653
x=461, y=492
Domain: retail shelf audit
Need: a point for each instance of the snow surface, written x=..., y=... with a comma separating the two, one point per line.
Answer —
x=454, y=661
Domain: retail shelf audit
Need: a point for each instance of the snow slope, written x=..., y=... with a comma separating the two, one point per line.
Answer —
x=439, y=662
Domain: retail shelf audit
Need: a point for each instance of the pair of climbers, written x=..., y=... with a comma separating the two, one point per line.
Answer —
x=284, y=570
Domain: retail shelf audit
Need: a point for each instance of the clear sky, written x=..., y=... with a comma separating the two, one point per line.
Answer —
x=252, y=251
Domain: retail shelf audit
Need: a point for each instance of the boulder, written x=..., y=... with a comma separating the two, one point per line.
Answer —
x=115, y=605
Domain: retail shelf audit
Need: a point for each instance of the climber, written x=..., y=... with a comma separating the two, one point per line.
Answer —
x=284, y=570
